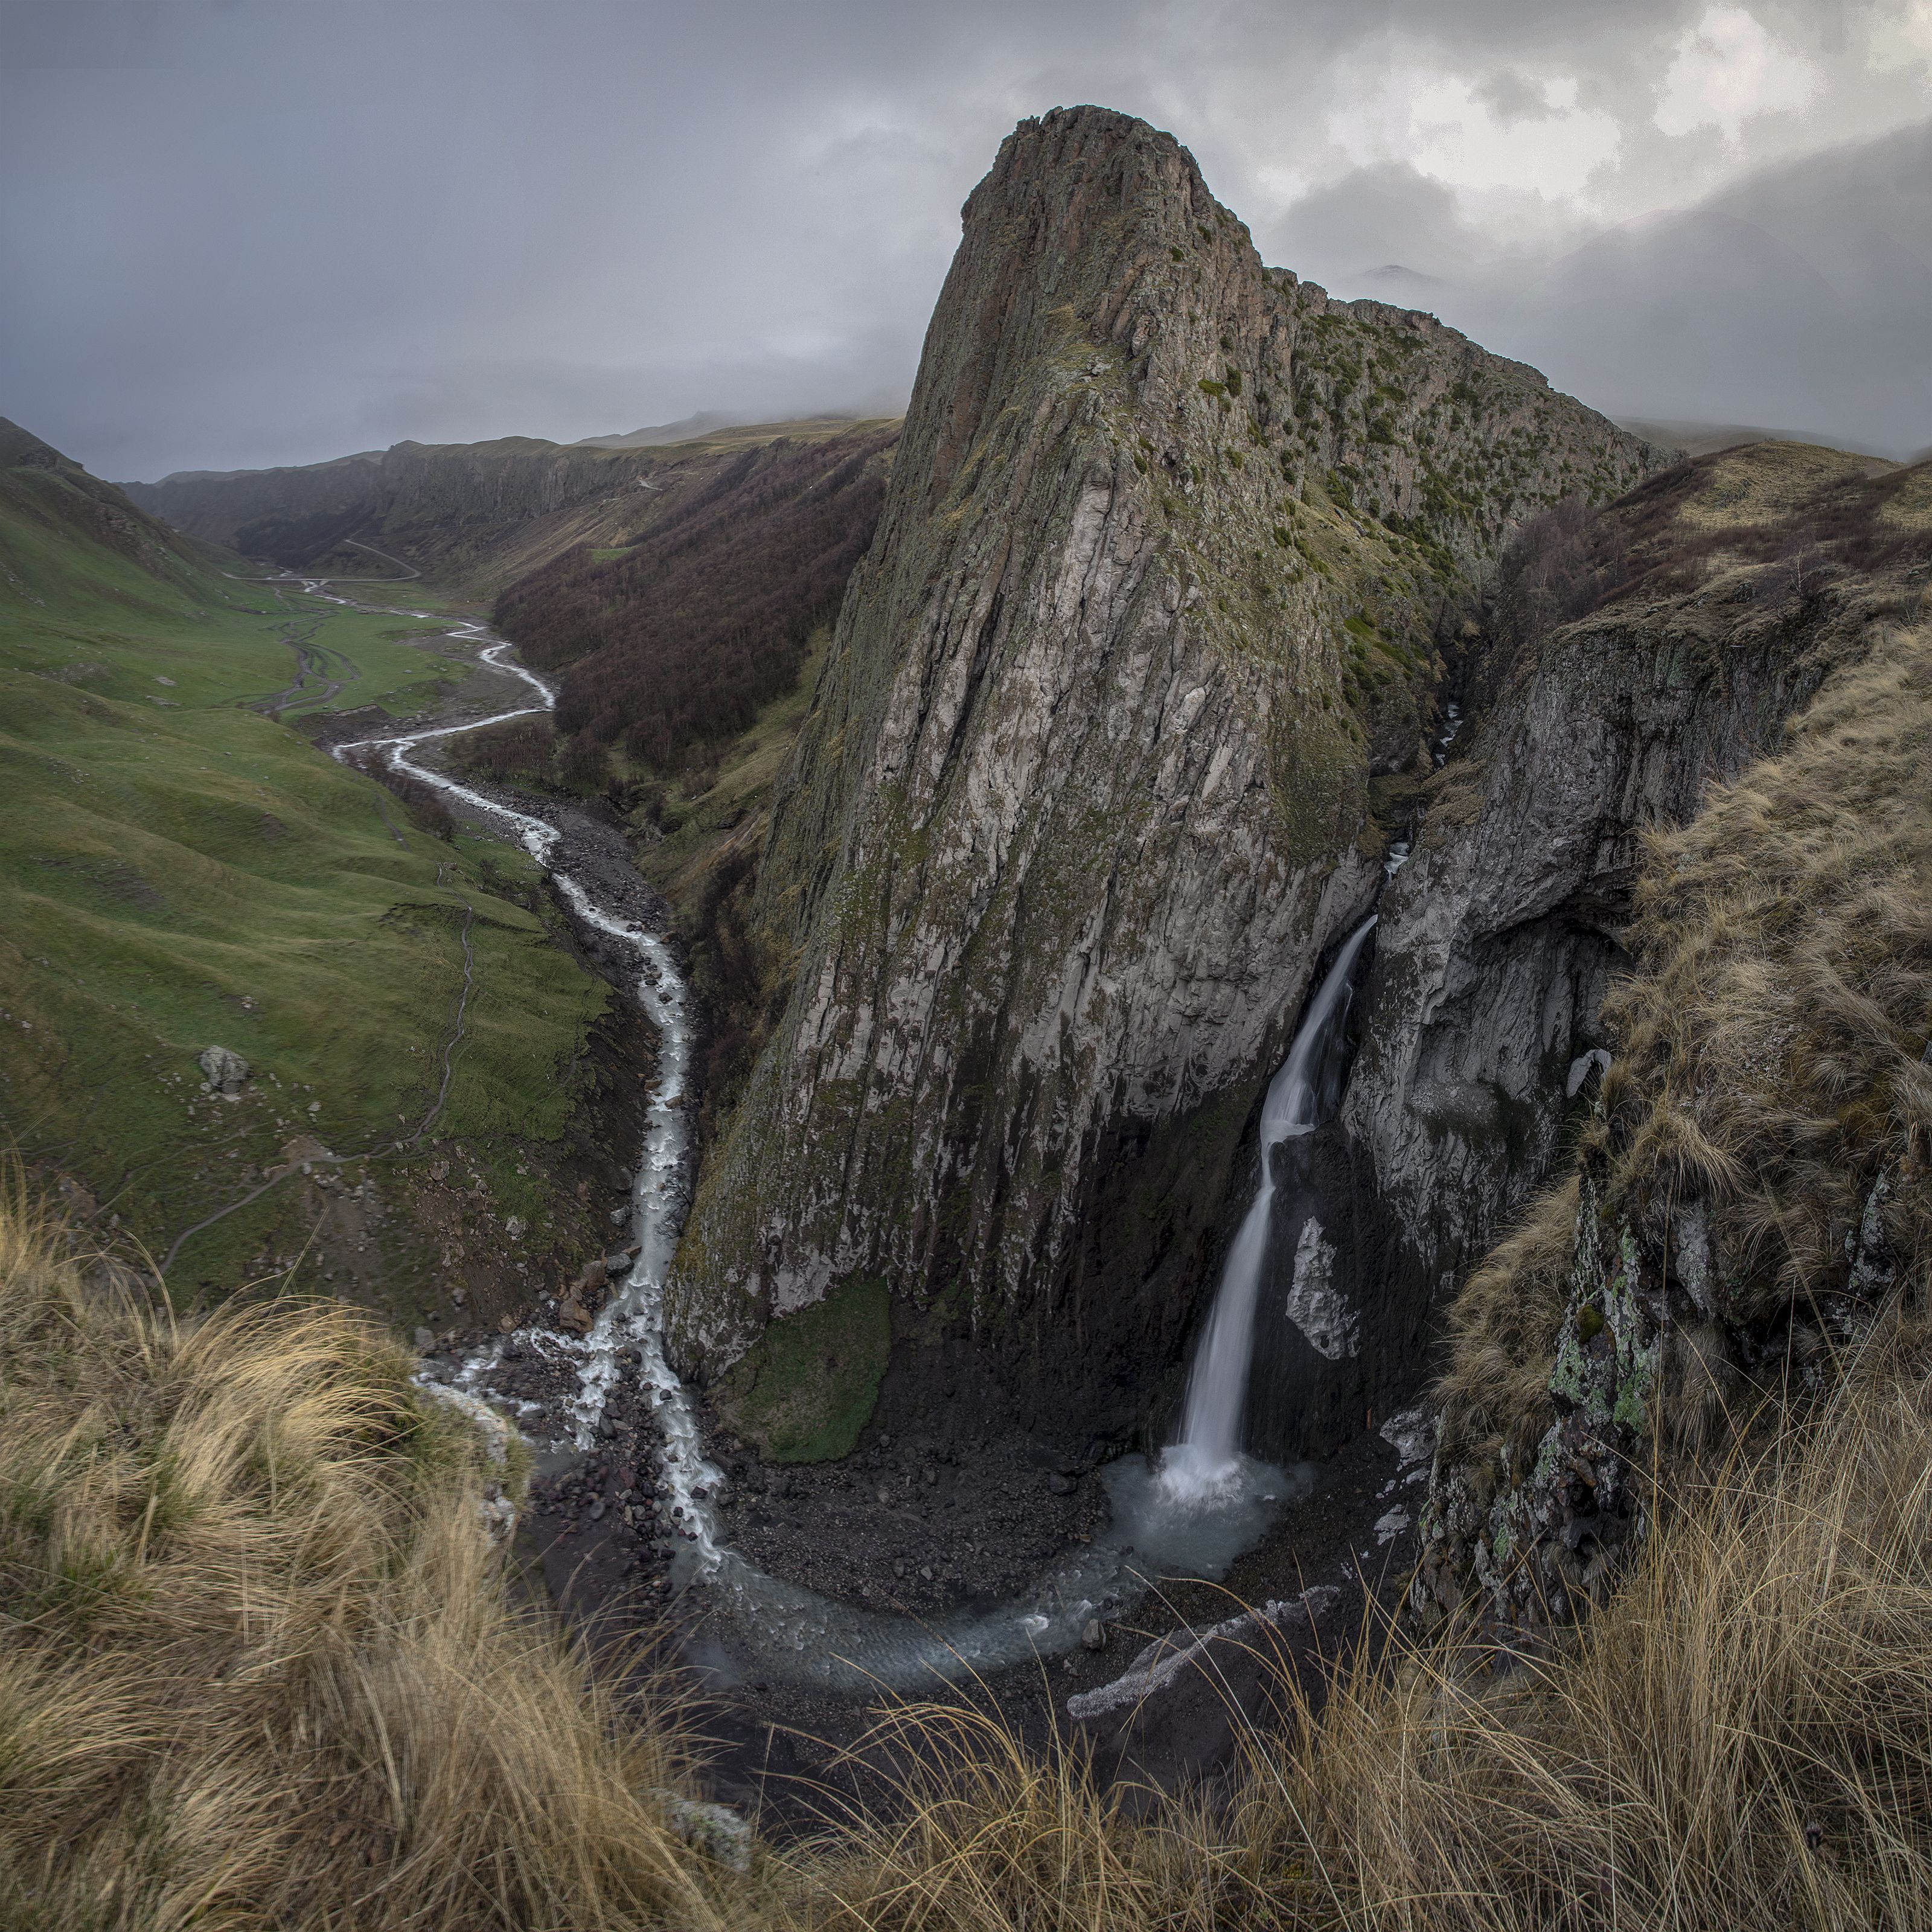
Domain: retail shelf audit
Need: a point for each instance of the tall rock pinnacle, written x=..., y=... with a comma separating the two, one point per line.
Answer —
x=1083, y=794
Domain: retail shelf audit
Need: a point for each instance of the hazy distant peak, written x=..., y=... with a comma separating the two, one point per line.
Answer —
x=1705, y=439
x=1394, y=272
x=702, y=424
x=223, y=476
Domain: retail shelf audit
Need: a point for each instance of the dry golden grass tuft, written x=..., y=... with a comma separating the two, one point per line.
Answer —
x=1502, y=1329
x=257, y=1663
x=1742, y=1739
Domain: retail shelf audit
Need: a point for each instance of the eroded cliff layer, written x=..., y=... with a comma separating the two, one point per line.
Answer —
x=1751, y=1183
x=1084, y=790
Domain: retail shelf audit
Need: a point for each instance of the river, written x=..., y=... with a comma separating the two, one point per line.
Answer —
x=780, y=1627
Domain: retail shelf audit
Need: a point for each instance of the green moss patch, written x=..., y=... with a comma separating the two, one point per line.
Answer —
x=808, y=1386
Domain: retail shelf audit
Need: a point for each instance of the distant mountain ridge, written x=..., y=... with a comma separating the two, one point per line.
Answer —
x=487, y=512
x=701, y=424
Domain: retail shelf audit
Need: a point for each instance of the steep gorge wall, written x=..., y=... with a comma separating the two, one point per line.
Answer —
x=1496, y=944
x=1733, y=778
x=1084, y=791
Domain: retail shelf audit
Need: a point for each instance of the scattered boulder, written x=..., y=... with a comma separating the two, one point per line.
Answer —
x=715, y=1830
x=224, y=1069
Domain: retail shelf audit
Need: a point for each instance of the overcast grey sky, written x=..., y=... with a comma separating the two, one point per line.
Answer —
x=245, y=231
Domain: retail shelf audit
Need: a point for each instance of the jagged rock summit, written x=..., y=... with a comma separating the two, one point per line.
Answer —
x=1084, y=792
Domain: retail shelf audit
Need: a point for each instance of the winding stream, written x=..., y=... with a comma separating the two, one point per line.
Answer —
x=1155, y=1530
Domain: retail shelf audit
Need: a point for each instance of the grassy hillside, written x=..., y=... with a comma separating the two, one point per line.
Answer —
x=257, y=1663
x=179, y=869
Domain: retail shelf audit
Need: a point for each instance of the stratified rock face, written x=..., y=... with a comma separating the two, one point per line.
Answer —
x=1083, y=795
x=1497, y=939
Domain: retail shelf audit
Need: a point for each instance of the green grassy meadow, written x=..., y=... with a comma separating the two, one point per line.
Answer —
x=178, y=871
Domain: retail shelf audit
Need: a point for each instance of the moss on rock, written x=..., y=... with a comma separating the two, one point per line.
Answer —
x=802, y=1392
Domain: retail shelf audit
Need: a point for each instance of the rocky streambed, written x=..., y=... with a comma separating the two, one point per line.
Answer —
x=961, y=1549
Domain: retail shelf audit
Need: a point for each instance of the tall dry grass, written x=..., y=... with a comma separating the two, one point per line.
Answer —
x=1743, y=1739
x=1502, y=1329
x=257, y=1664
x=257, y=1669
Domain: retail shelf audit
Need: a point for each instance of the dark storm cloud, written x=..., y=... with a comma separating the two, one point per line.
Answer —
x=1794, y=300
x=236, y=232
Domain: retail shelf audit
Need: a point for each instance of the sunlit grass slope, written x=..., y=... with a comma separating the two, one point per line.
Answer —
x=178, y=871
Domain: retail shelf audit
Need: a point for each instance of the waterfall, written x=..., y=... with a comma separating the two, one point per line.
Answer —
x=769, y=1625
x=1206, y=1460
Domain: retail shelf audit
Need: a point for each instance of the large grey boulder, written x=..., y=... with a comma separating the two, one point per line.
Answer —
x=224, y=1069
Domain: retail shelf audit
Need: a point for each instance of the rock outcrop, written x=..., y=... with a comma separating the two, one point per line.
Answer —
x=1752, y=1175
x=1083, y=794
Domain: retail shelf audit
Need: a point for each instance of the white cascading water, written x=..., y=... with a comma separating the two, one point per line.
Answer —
x=632, y=1320
x=1207, y=1462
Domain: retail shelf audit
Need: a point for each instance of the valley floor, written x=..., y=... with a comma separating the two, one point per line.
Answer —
x=182, y=868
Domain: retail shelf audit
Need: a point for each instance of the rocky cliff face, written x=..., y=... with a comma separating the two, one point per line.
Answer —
x=1752, y=1175
x=1084, y=795
x=1497, y=940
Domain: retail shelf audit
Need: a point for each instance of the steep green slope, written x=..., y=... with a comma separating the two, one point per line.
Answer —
x=178, y=871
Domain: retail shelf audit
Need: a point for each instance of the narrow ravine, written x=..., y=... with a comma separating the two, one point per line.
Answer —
x=1157, y=1529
